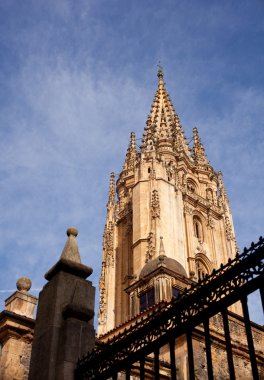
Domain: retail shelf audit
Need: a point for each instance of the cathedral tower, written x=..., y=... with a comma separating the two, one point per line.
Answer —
x=168, y=219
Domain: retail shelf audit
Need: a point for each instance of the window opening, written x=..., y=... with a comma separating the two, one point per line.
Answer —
x=198, y=230
x=175, y=292
x=147, y=299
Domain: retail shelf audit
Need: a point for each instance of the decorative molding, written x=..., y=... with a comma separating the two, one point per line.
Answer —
x=155, y=205
x=228, y=228
x=187, y=210
x=210, y=219
x=151, y=250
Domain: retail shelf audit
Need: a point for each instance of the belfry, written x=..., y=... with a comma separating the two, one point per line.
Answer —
x=168, y=222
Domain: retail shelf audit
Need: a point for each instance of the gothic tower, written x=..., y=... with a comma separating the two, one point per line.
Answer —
x=170, y=223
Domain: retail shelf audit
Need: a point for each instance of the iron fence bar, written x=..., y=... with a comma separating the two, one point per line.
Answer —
x=208, y=350
x=128, y=372
x=208, y=297
x=228, y=346
x=172, y=358
x=190, y=355
x=156, y=363
x=142, y=368
x=251, y=348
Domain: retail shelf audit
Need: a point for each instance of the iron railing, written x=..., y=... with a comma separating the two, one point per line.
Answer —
x=133, y=348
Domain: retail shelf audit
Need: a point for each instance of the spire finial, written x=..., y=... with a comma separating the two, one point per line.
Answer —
x=70, y=250
x=160, y=71
x=161, y=250
x=111, y=196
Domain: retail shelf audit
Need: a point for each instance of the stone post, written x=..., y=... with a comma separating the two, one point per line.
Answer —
x=16, y=332
x=64, y=325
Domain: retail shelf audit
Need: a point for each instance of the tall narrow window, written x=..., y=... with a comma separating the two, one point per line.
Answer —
x=201, y=270
x=147, y=299
x=198, y=229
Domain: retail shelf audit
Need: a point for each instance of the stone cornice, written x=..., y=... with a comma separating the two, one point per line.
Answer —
x=68, y=266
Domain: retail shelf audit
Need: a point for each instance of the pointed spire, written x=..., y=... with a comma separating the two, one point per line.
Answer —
x=198, y=149
x=163, y=125
x=70, y=250
x=160, y=71
x=161, y=250
x=111, y=195
x=131, y=154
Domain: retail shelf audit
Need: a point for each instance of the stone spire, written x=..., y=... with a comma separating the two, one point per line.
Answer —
x=131, y=155
x=223, y=198
x=108, y=253
x=163, y=126
x=162, y=249
x=70, y=250
x=111, y=194
x=198, y=149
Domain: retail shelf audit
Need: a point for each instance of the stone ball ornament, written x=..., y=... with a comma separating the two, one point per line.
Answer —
x=72, y=231
x=23, y=284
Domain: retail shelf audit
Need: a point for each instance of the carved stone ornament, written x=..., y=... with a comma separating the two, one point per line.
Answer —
x=228, y=229
x=200, y=248
x=151, y=247
x=170, y=170
x=152, y=174
x=102, y=304
x=187, y=210
x=210, y=220
x=108, y=244
x=155, y=206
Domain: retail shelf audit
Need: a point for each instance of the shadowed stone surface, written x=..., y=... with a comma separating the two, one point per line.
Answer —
x=64, y=324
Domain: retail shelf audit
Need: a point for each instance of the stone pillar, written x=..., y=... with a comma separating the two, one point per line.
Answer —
x=16, y=332
x=64, y=325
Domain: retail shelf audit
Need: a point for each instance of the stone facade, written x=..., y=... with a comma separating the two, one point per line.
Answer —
x=64, y=325
x=168, y=225
x=16, y=332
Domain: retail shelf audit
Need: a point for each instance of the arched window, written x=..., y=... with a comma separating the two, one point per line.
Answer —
x=191, y=186
x=198, y=228
x=201, y=270
x=203, y=266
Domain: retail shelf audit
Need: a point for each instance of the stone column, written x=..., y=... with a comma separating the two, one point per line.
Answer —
x=64, y=325
x=16, y=332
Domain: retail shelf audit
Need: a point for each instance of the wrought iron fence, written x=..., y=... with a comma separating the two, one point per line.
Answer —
x=138, y=351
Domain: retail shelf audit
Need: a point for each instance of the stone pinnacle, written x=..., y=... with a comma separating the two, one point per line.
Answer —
x=70, y=250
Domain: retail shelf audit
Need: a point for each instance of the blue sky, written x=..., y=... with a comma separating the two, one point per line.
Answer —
x=77, y=76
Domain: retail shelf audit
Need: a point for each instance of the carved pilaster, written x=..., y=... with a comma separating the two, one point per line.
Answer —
x=187, y=210
x=151, y=250
x=108, y=244
x=155, y=205
x=228, y=228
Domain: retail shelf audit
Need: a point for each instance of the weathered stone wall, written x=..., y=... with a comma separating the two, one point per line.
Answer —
x=15, y=359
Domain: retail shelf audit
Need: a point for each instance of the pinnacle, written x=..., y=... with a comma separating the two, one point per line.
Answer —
x=111, y=196
x=160, y=72
x=162, y=249
x=131, y=154
x=163, y=124
x=198, y=149
x=70, y=250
